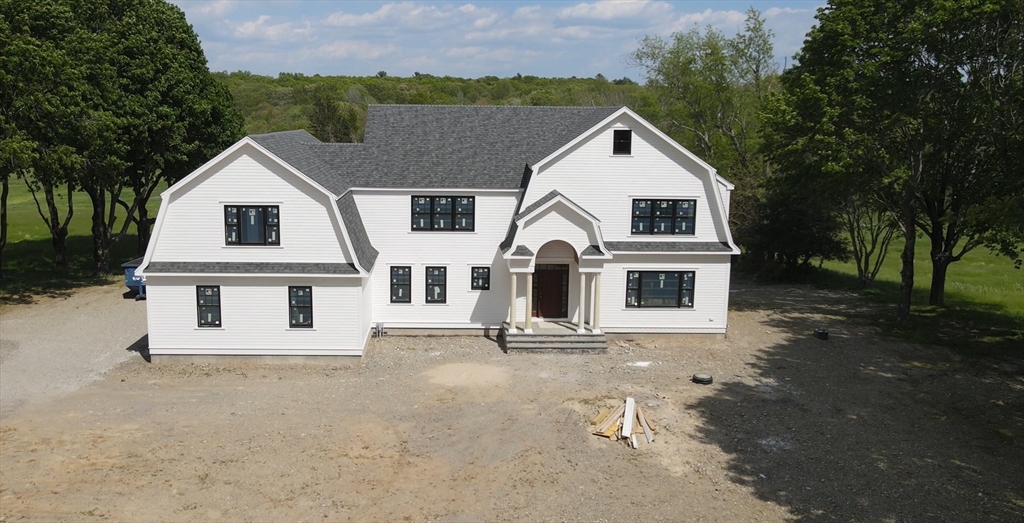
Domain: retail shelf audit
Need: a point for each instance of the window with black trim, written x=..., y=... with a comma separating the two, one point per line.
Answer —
x=664, y=217
x=443, y=213
x=665, y=289
x=252, y=225
x=401, y=285
x=437, y=285
x=208, y=305
x=481, y=279
x=300, y=304
x=622, y=142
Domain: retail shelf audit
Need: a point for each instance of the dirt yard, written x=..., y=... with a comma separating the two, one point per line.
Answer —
x=858, y=428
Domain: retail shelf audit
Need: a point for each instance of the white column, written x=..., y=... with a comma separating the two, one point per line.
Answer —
x=529, y=303
x=590, y=300
x=512, y=306
x=595, y=324
x=582, y=303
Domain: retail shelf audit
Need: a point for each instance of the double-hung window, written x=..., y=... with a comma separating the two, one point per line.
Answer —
x=252, y=225
x=622, y=142
x=401, y=285
x=481, y=279
x=208, y=305
x=443, y=213
x=437, y=285
x=664, y=216
x=300, y=305
x=659, y=289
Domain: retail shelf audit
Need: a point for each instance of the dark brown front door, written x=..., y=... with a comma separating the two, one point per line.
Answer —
x=551, y=291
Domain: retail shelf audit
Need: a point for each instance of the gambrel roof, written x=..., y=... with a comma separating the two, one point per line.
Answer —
x=437, y=146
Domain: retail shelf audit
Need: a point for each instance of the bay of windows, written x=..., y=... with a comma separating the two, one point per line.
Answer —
x=663, y=289
x=664, y=216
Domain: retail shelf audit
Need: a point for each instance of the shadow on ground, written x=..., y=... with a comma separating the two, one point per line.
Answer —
x=141, y=346
x=868, y=428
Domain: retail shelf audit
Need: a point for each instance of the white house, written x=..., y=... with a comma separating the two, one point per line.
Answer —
x=446, y=218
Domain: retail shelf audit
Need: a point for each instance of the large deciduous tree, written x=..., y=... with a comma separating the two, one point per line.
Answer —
x=899, y=98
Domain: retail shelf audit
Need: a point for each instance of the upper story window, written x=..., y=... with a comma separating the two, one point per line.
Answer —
x=443, y=213
x=664, y=216
x=622, y=142
x=252, y=225
x=659, y=289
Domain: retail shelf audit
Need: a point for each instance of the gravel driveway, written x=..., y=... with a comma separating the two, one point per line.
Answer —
x=58, y=345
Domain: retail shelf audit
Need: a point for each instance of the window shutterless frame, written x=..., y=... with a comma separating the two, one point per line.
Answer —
x=622, y=142
x=437, y=285
x=252, y=225
x=208, y=305
x=480, y=279
x=659, y=289
x=401, y=284
x=300, y=307
x=443, y=213
x=664, y=217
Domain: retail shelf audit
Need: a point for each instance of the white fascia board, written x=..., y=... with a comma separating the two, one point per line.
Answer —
x=735, y=250
x=166, y=195
x=579, y=210
x=254, y=275
x=256, y=352
x=723, y=181
x=594, y=221
x=432, y=190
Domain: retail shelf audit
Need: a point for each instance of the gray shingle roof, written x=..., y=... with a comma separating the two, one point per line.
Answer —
x=250, y=267
x=522, y=250
x=592, y=250
x=437, y=146
x=365, y=252
x=547, y=198
x=668, y=246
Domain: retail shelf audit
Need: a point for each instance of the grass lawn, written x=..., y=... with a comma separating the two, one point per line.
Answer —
x=28, y=259
x=984, y=310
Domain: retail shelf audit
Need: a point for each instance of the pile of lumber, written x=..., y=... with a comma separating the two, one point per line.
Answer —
x=626, y=422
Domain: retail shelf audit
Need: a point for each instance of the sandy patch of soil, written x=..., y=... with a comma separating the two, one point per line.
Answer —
x=859, y=428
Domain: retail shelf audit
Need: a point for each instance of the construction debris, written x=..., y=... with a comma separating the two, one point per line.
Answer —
x=626, y=422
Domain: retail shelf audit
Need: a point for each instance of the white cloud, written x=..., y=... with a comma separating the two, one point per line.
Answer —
x=615, y=9
x=353, y=49
x=529, y=12
x=415, y=16
x=259, y=29
x=214, y=8
x=460, y=52
x=719, y=19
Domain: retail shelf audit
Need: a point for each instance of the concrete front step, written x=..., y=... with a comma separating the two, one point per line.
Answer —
x=570, y=342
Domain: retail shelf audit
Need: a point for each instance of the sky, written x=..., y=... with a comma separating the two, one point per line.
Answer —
x=465, y=38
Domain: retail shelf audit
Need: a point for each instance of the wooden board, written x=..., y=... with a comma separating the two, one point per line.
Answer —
x=643, y=423
x=627, y=417
x=608, y=421
x=601, y=416
x=647, y=420
x=610, y=431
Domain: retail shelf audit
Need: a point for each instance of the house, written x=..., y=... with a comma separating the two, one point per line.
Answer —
x=445, y=219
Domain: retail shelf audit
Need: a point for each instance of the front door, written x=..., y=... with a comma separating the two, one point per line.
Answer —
x=551, y=291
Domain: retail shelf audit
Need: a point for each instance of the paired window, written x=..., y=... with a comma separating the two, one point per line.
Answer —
x=252, y=225
x=664, y=216
x=443, y=213
x=208, y=305
x=300, y=304
x=622, y=142
x=401, y=285
x=659, y=289
x=437, y=285
x=481, y=279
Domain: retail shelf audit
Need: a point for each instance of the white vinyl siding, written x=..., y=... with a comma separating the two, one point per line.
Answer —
x=606, y=185
x=710, y=295
x=385, y=216
x=193, y=229
x=254, y=317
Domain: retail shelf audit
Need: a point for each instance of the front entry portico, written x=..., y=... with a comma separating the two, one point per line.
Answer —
x=551, y=291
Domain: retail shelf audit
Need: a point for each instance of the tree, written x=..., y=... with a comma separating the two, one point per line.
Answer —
x=332, y=120
x=895, y=92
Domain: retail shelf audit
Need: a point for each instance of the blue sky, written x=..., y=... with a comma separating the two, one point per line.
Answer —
x=470, y=38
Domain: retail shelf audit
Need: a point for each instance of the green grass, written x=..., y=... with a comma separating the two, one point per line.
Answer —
x=984, y=310
x=28, y=266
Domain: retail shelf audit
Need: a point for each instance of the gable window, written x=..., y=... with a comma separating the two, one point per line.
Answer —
x=300, y=303
x=252, y=225
x=659, y=289
x=401, y=285
x=443, y=213
x=208, y=305
x=664, y=216
x=437, y=284
x=622, y=142
x=481, y=279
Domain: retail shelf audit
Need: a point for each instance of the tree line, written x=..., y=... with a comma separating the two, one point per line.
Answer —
x=896, y=117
